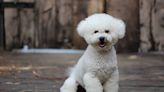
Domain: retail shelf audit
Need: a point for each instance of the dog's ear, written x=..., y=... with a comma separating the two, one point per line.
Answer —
x=120, y=28
x=81, y=28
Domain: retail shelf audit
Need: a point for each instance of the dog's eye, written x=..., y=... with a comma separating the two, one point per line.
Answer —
x=106, y=31
x=96, y=31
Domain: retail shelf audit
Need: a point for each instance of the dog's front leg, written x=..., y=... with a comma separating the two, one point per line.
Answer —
x=70, y=85
x=92, y=83
x=112, y=84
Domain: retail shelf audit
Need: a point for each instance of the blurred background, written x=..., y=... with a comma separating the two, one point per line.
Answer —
x=47, y=28
x=52, y=23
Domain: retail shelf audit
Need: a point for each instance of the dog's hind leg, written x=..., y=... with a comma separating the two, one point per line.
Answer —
x=70, y=85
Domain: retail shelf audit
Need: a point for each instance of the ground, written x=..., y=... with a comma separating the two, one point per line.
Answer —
x=46, y=72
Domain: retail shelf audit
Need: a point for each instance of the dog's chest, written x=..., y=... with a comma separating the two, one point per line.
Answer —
x=102, y=69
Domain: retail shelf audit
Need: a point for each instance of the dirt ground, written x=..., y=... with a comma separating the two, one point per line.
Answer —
x=46, y=72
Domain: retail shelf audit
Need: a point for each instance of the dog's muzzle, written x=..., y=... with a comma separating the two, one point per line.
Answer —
x=102, y=42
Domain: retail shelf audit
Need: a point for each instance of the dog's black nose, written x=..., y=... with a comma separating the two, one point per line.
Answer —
x=102, y=39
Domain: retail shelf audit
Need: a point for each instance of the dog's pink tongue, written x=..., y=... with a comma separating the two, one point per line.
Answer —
x=102, y=44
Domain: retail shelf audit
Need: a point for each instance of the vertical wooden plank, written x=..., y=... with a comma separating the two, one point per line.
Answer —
x=45, y=23
x=38, y=23
x=158, y=24
x=26, y=25
x=2, y=34
x=19, y=25
x=79, y=13
x=51, y=18
x=145, y=25
x=128, y=10
x=95, y=6
x=64, y=36
x=11, y=28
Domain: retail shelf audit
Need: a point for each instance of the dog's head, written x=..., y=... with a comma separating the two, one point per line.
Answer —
x=101, y=30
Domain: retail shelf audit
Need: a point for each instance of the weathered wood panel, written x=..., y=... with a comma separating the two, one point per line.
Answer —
x=79, y=13
x=95, y=6
x=128, y=10
x=11, y=28
x=145, y=25
x=158, y=24
x=152, y=21
x=26, y=25
x=45, y=22
x=65, y=30
x=19, y=26
x=2, y=43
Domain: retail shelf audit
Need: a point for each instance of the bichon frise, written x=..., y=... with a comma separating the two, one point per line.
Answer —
x=97, y=69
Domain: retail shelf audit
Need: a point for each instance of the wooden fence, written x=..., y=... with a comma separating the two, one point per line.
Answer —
x=151, y=25
x=52, y=23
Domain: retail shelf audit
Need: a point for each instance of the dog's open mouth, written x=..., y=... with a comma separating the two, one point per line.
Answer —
x=102, y=44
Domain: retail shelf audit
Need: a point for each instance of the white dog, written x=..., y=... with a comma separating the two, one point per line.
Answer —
x=97, y=69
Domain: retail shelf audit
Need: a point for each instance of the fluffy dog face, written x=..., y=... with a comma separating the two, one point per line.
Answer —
x=101, y=30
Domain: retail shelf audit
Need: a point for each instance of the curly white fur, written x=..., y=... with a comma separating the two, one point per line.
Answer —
x=97, y=69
